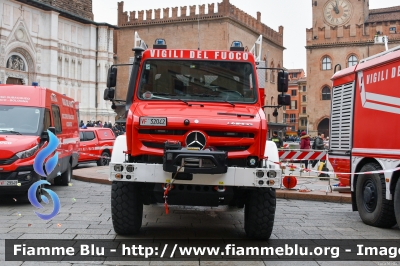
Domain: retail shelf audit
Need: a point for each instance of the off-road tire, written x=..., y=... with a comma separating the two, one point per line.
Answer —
x=65, y=178
x=259, y=213
x=126, y=207
x=373, y=207
x=104, y=161
x=396, y=200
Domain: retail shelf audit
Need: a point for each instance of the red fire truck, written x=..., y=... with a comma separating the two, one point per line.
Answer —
x=195, y=135
x=26, y=113
x=365, y=122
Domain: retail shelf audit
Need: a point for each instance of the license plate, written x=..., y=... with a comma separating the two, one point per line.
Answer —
x=153, y=121
x=8, y=182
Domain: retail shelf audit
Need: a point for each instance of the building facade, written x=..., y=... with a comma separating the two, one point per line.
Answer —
x=343, y=33
x=303, y=115
x=292, y=112
x=212, y=27
x=58, y=45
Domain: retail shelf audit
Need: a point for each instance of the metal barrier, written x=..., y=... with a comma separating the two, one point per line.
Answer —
x=291, y=156
x=299, y=155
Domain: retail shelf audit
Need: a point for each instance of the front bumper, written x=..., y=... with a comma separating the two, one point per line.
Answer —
x=24, y=176
x=234, y=176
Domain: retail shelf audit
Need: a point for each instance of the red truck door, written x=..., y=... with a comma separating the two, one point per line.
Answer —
x=89, y=144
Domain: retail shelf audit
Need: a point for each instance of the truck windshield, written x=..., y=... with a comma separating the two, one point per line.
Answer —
x=20, y=120
x=197, y=81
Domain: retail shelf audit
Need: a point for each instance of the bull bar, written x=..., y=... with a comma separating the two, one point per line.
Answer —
x=235, y=176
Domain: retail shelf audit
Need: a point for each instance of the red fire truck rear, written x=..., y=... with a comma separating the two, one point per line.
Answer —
x=26, y=113
x=365, y=122
x=195, y=135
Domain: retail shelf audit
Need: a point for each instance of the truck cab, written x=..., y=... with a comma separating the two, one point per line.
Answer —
x=195, y=135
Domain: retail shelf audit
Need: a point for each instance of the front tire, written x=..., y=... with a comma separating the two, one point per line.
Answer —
x=259, y=213
x=396, y=200
x=65, y=177
x=373, y=207
x=25, y=199
x=126, y=207
x=104, y=160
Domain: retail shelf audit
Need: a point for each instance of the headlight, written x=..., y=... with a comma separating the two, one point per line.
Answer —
x=118, y=168
x=271, y=174
x=27, y=153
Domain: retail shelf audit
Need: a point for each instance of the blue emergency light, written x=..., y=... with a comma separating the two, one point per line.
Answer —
x=237, y=46
x=160, y=44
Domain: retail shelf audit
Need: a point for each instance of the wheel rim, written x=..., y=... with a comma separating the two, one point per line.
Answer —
x=370, y=198
x=104, y=161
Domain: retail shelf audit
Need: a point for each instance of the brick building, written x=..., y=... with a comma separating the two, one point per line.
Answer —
x=58, y=45
x=292, y=112
x=209, y=29
x=303, y=115
x=341, y=36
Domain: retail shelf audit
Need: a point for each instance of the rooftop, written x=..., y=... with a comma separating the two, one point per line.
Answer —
x=384, y=14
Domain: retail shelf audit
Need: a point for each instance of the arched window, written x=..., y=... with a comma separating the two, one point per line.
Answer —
x=352, y=61
x=326, y=93
x=326, y=63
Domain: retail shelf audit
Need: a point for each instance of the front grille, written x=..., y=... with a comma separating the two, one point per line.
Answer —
x=7, y=175
x=9, y=161
x=229, y=134
x=232, y=148
x=162, y=132
x=155, y=145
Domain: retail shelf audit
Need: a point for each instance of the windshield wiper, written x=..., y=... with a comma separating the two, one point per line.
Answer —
x=11, y=131
x=210, y=95
x=230, y=103
x=204, y=95
x=163, y=94
x=184, y=101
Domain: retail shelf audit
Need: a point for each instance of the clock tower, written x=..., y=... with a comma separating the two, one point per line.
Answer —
x=337, y=12
x=342, y=34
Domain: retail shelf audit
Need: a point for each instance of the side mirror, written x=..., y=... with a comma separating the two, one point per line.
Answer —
x=52, y=130
x=284, y=99
x=112, y=77
x=283, y=81
x=109, y=94
x=44, y=136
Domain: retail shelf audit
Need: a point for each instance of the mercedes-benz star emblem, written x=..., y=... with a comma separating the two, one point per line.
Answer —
x=196, y=139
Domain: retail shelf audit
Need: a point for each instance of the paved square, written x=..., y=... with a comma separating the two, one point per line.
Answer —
x=86, y=214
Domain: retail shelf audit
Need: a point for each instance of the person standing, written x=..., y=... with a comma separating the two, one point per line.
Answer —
x=305, y=145
x=278, y=141
x=319, y=145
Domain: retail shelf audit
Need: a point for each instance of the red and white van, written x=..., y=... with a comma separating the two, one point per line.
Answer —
x=26, y=113
x=96, y=145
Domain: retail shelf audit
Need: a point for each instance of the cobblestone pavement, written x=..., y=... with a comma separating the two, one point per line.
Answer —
x=85, y=214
